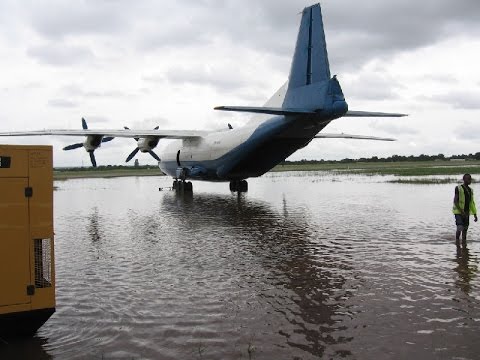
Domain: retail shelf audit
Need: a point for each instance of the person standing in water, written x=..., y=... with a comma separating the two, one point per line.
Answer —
x=463, y=206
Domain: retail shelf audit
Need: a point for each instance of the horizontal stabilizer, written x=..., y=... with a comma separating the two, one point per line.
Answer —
x=349, y=136
x=265, y=110
x=371, y=114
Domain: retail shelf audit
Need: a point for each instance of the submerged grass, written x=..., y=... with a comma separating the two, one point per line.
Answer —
x=426, y=181
x=94, y=173
x=417, y=168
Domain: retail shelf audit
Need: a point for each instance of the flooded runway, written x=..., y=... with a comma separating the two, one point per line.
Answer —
x=303, y=266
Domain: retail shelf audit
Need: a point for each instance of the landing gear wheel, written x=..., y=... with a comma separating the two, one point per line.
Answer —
x=182, y=186
x=239, y=185
x=242, y=186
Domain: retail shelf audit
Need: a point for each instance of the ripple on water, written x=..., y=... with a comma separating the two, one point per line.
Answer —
x=347, y=269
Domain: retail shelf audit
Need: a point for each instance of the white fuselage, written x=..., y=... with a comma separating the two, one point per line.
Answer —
x=215, y=145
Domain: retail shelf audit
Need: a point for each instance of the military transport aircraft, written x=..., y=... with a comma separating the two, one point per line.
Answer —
x=299, y=110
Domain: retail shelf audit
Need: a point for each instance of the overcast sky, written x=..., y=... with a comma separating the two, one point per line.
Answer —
x=146, y=63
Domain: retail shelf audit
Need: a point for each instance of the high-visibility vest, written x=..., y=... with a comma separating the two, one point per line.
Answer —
x=461, y=201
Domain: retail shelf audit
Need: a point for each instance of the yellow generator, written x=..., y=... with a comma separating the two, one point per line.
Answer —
x=27, y=274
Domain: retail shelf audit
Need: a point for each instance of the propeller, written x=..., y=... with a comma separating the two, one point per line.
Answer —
x=91, y=143
x=73, y=146
x=132, y=154
x=135, y=151
x=92, y=158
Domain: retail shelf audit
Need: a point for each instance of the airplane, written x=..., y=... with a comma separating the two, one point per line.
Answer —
x=298, y=111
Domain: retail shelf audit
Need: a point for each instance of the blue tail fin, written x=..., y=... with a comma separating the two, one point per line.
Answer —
x=310, y=90
x=310, y=61
x=310, y=86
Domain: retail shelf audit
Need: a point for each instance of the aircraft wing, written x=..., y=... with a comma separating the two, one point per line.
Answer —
x=164, y=134
x=371, y=114
x=349, y=136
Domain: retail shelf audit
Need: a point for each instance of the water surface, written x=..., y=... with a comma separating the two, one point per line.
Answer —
x=303, y=266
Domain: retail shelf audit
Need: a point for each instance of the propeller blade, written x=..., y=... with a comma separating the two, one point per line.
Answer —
x=155, y=156
x=92, y=159
x=84, y=124
x=107, y=139
x=73, y=146
x=132, y=154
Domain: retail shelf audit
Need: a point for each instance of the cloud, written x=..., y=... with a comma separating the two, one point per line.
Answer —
x=60, y=54
x=462, y=99
x=359, y=31
x=356, y=31
x=151, y=123
x=96, y=119
x=393, y=129
x=468, y=131
x=370, y=85
x=62, y=103
x=203, y=75
x=59, y=19
x=76, y=90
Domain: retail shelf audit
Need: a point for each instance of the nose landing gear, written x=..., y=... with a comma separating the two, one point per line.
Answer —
x=239, y=185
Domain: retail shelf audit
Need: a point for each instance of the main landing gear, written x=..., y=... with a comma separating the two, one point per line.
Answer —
x=239, y=185
x=182, y=186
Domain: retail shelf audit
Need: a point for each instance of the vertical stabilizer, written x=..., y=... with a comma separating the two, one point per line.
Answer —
x=310, y=61
x=310, y=86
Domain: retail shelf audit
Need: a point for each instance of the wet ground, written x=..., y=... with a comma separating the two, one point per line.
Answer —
x=303, y=266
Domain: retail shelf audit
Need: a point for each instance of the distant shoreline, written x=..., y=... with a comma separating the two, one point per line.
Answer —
x=401, y=168
x=87, y=173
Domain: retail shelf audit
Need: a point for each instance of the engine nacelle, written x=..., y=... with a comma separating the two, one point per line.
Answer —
x=147, y=144
x=92, y=142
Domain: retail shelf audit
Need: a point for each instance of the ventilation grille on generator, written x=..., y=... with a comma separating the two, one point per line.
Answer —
x=43, y=263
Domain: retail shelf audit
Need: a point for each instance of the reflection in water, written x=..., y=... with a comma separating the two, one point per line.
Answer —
x=465, y=269
x=292, y=281
x=94, y=225
x=301, y=267
x=28, y=348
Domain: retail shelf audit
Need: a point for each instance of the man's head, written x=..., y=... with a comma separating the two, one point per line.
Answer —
x=467, y=179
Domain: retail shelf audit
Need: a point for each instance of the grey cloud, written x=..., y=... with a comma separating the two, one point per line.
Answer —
x=151, y=123
x=206, y=76
x=96, y=119
x=107, y=94
x=78, y=91
x=356, y=31
x=441, y=78
x=468, y=100
x=64, y=103
x=60, y=18
x=393, y=129
x=154, y=78
x=60, y=54
x=371, y=87
x=468, y=131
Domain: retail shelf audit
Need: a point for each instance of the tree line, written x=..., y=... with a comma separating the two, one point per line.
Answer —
x=393, y=158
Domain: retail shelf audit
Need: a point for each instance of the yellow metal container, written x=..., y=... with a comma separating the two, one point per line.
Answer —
x=27, y=272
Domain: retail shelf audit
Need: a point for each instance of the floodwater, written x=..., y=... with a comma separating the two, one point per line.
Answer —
x=303, y=266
